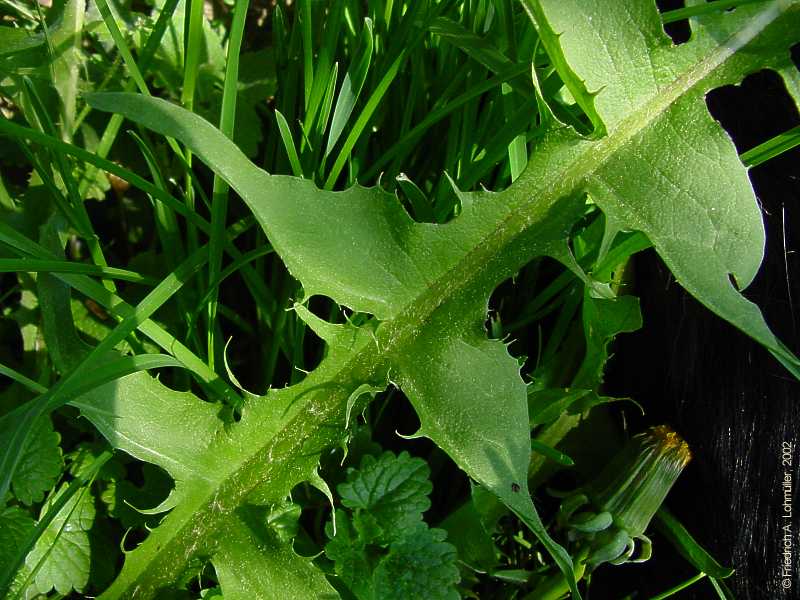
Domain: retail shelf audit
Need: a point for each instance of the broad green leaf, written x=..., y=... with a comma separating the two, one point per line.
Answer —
x=392, y=489
x=217, y=465
x=421, y=566
x=61, y=558
x=252, y=562
x=147, y=425
x=63, y=507
x=15, y=526
x=40, y=463
x=16, y=39
x=389, y=551
x=349, y=553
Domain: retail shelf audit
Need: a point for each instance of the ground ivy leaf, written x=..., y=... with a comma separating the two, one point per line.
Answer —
x=349, y=553
x=64, y=548
x=40, y=464
x=388, y=551
x=15, y=525
x=419, y=566
x=392, y=489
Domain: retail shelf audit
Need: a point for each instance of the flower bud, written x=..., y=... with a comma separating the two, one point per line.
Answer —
x=634, y=484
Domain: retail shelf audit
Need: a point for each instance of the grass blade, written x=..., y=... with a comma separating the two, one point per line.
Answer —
x=677, y=534
x=22, y=379
x=771, y=148
x=288, y=144
x=351, y=86
x=13, y=265
x=114, y=123
x=121, y=309
x=219, y=196
x=703, y=9
x=122, y=46
x=363, y=119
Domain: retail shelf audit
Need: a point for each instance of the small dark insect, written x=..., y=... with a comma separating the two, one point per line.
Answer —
x=97, y=310
x=515, y=487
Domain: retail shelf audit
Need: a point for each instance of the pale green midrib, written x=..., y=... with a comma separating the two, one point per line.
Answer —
x=399, y=332
x=629, y=127
x=573, y=176
x=205, y=505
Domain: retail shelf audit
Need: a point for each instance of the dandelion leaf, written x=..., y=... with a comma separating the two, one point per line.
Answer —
x=656, y=163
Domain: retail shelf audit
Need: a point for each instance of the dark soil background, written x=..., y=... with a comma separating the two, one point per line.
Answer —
x=729, y=398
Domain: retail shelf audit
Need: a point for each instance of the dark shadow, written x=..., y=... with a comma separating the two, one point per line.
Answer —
x=726, y=395
x=678, y=31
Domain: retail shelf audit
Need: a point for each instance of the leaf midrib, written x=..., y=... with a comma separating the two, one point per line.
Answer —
x=393, y=336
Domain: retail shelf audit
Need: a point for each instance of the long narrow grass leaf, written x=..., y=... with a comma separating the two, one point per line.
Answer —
x=219, y=195
x=122, y=46
x=12, y=265
x=351, y=85
x=771, y=148
x=288, y=144
x=22, y=379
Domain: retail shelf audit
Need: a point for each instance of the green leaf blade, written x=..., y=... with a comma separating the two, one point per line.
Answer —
x=251, y=562
x=40, y=463
x=61, y=558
